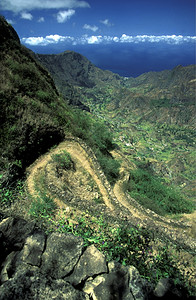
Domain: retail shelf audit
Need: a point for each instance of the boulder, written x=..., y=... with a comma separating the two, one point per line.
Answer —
x=136, y=284
x=7, y=267
x=15, y=232
x=114, y=285
x=26, y=259
x=91, y=263
x=37, y=266
x=32, y=285
x=166, y=289
x=61, y=254
x=162, y=288
x=33, y=249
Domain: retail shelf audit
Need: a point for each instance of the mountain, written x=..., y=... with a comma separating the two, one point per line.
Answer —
x=27, y=94
x=73, y=68
x=70, y=69
x=172, y=91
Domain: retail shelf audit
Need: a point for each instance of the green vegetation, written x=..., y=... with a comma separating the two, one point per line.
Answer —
x=10, y=194
x=163, y=136
x=62, y=160
x=100, y=139
x=42, y=207
x=153, y=194
x=34, y=117
x=109, y=165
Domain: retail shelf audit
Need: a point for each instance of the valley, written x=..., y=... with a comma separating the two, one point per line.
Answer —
x=152, y=116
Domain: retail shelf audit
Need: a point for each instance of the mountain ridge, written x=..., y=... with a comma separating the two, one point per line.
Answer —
x=176, y=86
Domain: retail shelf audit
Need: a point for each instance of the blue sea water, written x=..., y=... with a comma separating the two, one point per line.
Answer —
x=131, y=60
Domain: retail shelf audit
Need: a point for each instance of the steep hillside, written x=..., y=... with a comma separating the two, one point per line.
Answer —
x=33, y=115
x=72, y=69
x=27, y=94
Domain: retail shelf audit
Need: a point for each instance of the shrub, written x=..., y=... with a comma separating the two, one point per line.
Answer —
x=109, y=165
x=63, y=160
x=43, y=96
x=100, y=139
x=10, y=194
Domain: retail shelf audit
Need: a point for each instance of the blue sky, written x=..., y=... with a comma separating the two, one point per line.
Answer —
x=128, y=37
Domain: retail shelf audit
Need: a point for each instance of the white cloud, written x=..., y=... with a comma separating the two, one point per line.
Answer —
x=41, y=20
x=99, y=39
x=116, y=39
x=94, y=39
x=65, y=15
x=169, y=39
x=106, y=22
x=44, y=41
x=17, y=6
x=26, y=16
x=89, y=27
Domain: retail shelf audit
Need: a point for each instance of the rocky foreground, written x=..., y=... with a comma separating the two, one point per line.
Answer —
x=35, y=265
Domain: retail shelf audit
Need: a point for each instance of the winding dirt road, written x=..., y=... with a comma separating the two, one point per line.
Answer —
x=115, y=199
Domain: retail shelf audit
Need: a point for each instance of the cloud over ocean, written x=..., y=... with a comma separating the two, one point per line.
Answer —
x=126, y=55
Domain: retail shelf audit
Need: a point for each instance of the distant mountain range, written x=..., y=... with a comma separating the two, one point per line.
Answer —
x=72, y=72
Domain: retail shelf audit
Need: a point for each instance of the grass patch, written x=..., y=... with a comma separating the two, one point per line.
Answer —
x=42, y=207
x=149, y=191
x=9, y=194
x=109, y=165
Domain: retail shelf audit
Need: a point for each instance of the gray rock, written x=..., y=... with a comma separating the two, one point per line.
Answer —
x=135, y=283
x=28, y=257
x=91, y=263
x=110, y=286
x=31, y=285
x=7, y=266
x=33, y=249
x=162, y=288
x=15, y=231
x=61, y=255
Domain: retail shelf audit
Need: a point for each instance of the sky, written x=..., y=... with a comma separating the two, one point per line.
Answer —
x=128, y=37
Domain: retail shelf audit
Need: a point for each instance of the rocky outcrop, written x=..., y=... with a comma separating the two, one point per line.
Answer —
x=58, y=266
